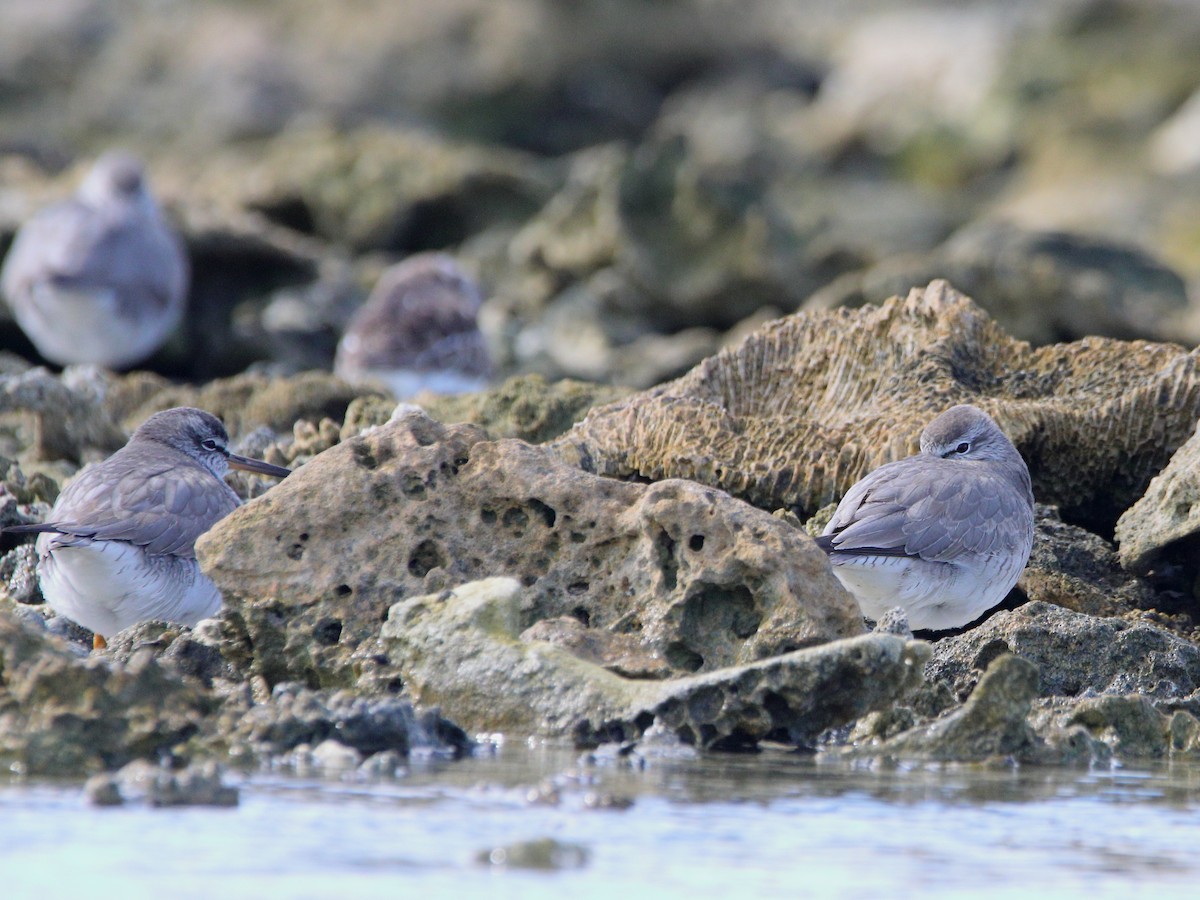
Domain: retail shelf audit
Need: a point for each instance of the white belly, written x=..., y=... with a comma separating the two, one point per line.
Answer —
x=107, y=586
x=935, y=596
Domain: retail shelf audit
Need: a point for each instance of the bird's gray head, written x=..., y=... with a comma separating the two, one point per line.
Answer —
x=194, y=432
x=116, y=176
x=201, y=436
x=967, y=432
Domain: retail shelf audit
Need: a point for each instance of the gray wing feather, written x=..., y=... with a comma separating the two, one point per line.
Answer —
x=936, y=511
x=164, y=509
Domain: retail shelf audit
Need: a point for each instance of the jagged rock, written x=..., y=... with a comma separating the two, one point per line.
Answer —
x=462, y=649
x=810, y=403
x=994, y=722
x=1075, y=654
x=415, y=506
x=1167, y=514
x=991, y=722
x=294, y=716
x=1075, y=569
x=196, y=653
x=1130, y=725
x=63, y=715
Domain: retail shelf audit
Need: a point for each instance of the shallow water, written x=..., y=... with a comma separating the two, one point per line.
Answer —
x=771, y=824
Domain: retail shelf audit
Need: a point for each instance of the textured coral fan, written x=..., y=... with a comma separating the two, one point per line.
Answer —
x=810, y=403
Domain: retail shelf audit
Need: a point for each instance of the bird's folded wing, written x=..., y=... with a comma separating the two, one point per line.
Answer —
x=164, y=512
x=934, y=515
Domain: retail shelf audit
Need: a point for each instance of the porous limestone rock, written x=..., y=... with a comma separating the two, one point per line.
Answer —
x=1168, y=513
x=810, y=403
x=463, y=650
x=1132, y=726
x=414, y=506
x=1075, y=654
x=991, y=723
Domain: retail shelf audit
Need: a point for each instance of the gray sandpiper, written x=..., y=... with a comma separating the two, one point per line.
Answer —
x=118, y=547
x=98, y=278
x=418, y=330
x=943, y=534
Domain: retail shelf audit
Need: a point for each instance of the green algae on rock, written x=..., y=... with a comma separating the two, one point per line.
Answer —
x=463, y=650
x=63, y=715
x=810, y=403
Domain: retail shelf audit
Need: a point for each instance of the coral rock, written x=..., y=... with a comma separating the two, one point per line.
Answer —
x=414, y=507
x=810, y=403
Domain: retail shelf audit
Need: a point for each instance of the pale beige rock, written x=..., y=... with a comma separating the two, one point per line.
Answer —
x=413, y=506
x=1169, y=511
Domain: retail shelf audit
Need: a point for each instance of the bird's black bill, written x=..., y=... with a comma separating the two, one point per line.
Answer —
x=257, y=466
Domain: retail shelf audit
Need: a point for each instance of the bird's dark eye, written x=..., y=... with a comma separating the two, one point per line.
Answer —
x=210, y=444
x=962, y=448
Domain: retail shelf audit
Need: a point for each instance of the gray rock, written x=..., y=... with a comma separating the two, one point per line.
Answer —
x=295, y=716
x=1130, y=725
x=991, y=723
x=1078, y=570
x=996, y=723
x=70, y=716
x=1075, y=653
x=462, y=650
x=142, y=781
x=1040, y=286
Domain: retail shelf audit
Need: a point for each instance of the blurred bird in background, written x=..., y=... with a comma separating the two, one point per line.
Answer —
x=98, y=278
x=418, y=331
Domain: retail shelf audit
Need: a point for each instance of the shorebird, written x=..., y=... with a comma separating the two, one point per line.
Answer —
x=943, y=534
x=98, y=278
x=119, y=546
x=418, y=331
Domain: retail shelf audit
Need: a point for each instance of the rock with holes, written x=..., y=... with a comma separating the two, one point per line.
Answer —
x=412, y=507
x=1003, y=719
x=1075, y=654
x=464, y=651
x=810, y=403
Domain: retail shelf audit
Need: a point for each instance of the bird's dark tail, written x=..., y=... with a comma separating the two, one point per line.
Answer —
x=31, y=528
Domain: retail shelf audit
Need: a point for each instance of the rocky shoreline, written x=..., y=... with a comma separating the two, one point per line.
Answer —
x=415, y=582
x=734, y=255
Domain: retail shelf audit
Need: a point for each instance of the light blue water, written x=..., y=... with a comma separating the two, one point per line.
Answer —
x=771, y=825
